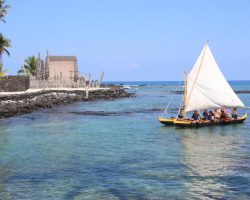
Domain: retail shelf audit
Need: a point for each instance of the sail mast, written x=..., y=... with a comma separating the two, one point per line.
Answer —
x=196, y=77
x=185, y=91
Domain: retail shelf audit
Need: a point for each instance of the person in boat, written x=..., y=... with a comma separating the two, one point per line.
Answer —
x=227, y=113
x=223, y=115
x=205, y=114
x=234, y=113
x=196, y=115
x=180, y=114
x=217, y=114
x=211, y=115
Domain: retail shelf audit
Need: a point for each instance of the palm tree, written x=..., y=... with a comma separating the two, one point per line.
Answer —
x=3, y=10
x=30, y=64
x=2, y=72
x=4, y=45
x=4, y=42
x=21, y=71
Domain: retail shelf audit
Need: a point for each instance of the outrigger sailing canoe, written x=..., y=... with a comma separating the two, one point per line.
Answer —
x=205, y=87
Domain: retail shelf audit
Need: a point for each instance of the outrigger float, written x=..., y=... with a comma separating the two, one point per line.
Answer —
x=205, y=87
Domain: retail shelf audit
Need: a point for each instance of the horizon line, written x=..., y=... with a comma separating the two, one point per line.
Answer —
x=160, y=81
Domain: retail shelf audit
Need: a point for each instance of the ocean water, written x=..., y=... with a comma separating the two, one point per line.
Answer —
x=118, y=150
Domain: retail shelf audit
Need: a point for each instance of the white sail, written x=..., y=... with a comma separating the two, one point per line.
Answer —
x=207, y=87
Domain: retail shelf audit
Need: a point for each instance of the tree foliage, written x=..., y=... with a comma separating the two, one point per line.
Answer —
x=30, y=64
x=4, y=9
x=4, y=42
x=4, y=45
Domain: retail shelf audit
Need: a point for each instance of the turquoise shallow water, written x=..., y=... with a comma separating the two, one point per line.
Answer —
x=120, y=151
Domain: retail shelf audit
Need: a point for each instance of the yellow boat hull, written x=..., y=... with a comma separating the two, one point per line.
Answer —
x=199, y=123
x=167, y=121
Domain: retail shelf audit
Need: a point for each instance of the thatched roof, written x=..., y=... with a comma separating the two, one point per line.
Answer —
x=62, y=58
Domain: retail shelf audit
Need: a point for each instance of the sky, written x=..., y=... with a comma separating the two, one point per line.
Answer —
x=131, y=40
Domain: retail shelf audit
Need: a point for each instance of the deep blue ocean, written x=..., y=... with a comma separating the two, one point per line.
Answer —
x=117, y=149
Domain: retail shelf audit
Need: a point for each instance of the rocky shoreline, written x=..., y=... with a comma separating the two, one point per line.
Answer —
x=17, y=104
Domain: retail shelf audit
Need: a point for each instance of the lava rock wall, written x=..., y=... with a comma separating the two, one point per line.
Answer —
x=17, y=104
x=14, y=83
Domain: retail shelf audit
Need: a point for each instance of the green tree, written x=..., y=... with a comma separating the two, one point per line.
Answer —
x=30, y=64
x=4, y=42
x=2, y=72
x=21, y=71
x=3, y=10
x=4, y=45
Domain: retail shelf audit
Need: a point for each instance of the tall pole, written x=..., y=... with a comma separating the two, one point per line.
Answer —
x=185, y=91
x=100, y=82
x=187, y=101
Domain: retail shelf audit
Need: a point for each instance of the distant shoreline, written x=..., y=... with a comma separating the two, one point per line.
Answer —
x=108, y=82
x=236, y=91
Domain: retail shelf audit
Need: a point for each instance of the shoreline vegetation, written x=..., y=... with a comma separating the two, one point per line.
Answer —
x=18, y=103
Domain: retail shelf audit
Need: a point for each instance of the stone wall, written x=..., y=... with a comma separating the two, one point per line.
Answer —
x=16, y=104
x=14, y=83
